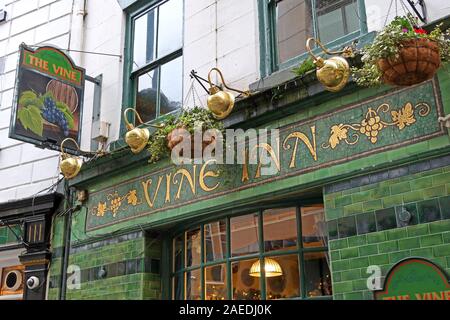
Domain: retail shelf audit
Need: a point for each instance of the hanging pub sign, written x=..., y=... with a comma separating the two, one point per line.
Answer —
x=48, y=100
x=415, y=279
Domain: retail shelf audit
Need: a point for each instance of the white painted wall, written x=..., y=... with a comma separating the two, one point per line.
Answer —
x=223, y=34
x=24, y=169
x=217, y=33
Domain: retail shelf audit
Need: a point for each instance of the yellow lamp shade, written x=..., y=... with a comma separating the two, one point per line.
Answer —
x=271, y=268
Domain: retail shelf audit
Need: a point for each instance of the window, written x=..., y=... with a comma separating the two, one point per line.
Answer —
x=278, y=253
x=292, y=22
x=156, y=65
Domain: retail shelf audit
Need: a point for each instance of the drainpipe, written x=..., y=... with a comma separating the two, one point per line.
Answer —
x=77, y=35
x=76, y=42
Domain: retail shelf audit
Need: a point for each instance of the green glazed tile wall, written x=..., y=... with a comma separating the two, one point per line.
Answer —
x=351, y=256
x=389, y=193
x=140, y=284
x=385, y=241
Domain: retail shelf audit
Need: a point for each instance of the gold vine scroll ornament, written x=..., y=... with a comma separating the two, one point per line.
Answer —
x=373, y=124
x=115, y=203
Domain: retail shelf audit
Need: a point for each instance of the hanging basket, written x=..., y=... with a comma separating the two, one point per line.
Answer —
x=418, y=61
x=176, y=136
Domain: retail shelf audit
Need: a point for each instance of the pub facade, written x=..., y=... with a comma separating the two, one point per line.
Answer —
x=356, y=180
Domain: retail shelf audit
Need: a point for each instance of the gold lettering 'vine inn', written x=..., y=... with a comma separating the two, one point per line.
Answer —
x=302, y=147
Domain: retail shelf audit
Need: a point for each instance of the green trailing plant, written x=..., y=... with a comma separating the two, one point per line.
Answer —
x=306, y=66
x=388, y=43
x=190, y=120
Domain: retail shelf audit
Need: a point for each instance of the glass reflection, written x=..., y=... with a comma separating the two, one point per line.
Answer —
x=245, y=287
x=244, y=235
x=193, y=285
x=177, y=253
x=171, y=86
x=178, y=287
x=193, y=248
x=216, y=282
x=288, y=284
x=147, y=93
x=144, y=39
x=336, y=18
x=314, y=227
x=215, y=241
x=170, y=29
x=317, y=274
x=280, y=229
x=294, y=26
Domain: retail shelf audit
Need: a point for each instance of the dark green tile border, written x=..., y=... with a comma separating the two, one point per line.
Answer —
x=117, y=269
x=421, y=212
x=389, y=174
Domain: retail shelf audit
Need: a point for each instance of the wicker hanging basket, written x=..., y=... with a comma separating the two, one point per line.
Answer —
x=418, y=61
x=176, y=136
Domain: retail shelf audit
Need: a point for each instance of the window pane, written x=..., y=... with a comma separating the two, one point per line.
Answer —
x=144, y=39
x=331, y=26
x=193, y=248
x=294, y=26
x=178, y=287
x=280, y=229
x=177, y=253
x=317, y=274
x=286, y=285
x=193, y=285
x=244, y=235
x=215, y=241
x=216, y=282
x=147, y=86
x=170, y=27
x=314, y=228
x=336, y=18
x=351, y=17
x=171, y=86
x=245, y=287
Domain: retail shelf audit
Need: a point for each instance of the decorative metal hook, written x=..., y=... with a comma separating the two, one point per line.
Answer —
x=346, y=52
x=64, y=154
x=213, y=88
x=130, y=126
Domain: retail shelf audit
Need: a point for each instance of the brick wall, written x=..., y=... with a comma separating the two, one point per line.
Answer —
x=369, y=224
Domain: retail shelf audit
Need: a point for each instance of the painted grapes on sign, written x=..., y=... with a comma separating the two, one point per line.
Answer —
x=49, y=95
x=37, y=111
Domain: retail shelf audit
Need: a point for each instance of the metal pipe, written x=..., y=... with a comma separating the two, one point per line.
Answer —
x=67, y=239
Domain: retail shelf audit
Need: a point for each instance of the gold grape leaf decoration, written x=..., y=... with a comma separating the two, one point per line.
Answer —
x=404, y=117
x=372, y=124
x=338, y=133
x=101, y=209
x=132, y=197
x=116, y=203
